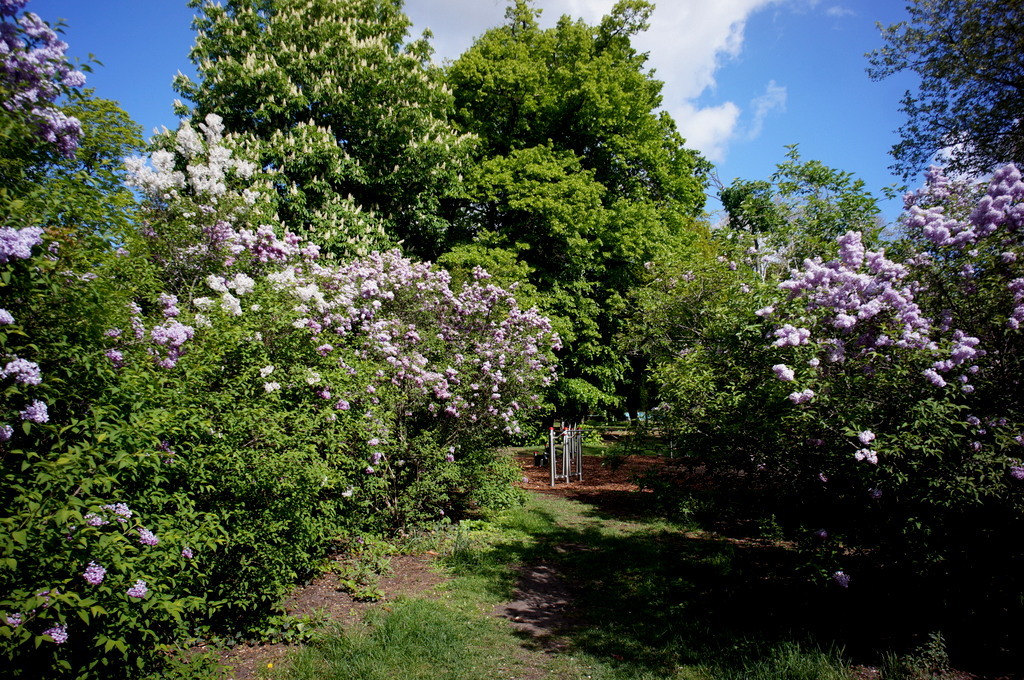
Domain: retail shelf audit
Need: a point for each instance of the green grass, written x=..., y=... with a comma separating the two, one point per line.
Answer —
x=655, y=601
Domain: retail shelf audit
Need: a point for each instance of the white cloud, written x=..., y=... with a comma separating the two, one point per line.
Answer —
x=839, y=12
x=688, y=41
x=708, y=129
x=773, y=99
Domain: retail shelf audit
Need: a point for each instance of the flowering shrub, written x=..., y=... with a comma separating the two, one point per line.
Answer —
x=192, y=417
x=34, y=73
x=874, y=398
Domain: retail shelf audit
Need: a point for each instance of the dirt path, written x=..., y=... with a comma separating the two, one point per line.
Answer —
x=541, y=609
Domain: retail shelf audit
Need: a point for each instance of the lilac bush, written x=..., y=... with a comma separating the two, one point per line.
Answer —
x=914, y=366
x=34, y=73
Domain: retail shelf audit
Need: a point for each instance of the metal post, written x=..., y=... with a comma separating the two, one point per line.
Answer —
x=551, y=453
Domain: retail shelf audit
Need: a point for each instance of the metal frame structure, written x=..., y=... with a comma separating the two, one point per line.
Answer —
x=565, y=454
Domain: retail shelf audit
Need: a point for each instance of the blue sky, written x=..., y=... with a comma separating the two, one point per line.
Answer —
x=743, y=78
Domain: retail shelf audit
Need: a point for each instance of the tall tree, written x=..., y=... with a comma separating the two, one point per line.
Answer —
x=329, y=93
x=578, y=175
x=969, y=105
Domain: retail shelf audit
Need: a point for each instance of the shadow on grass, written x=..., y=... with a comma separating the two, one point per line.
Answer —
x=649, y=598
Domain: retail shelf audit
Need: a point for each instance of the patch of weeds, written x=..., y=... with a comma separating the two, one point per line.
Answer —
x=789, y=661
x=928, y=662
x=360, y=572
x=293, y=629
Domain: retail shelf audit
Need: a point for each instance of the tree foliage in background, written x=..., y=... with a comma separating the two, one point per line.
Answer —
x=801, y=211
x=355, y=119
x=968, y=110
x=576, y=175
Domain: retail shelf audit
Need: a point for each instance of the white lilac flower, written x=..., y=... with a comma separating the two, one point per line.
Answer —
x=868, y=455
x=266, y=370
x=271, y=386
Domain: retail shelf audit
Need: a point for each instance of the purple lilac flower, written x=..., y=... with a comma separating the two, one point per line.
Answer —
x=138, y=590
x=368, y=470
x=13, y=620
x=18, y=243
x=821, y=534
x=121, y=510
x=450, y=457
x=94, y=574
x=116, y=357
x=783, y=372
x=6, y=432
x=10, y=8
x=875, y=493
x=94, y=520
x=376, y=457
x=58, y=633
x=1017, y=471
x=342, y=405
x=23, y=371
x=5, y=318
x=934, y=378
x=147, y=537
x=866, y=437
x=36, y=412
x=841, y=579
x=187, y=553
x=801, y=397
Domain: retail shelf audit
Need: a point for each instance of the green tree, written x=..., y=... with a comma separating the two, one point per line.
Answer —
x=800, y=212
x=578, y=175
x=329, y=93
x=969, y=106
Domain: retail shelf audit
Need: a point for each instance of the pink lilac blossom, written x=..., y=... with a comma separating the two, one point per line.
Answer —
x=138, y=590
x=783, y=372
x=866, y=437
x=187, y=553
x=147, y=537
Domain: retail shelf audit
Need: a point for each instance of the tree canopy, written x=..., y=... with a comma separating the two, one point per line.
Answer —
x=576, y=172
x=330, y=94
x=969, y=106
